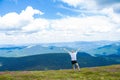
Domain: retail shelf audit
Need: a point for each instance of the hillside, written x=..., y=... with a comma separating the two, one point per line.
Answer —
x=54, y=61
x=96, y=73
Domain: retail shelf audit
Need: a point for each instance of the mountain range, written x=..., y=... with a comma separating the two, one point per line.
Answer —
x=52, y=56
x=93, y=48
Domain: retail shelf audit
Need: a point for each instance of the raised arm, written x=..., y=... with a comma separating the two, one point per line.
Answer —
x=66, y=50
x=77, y=50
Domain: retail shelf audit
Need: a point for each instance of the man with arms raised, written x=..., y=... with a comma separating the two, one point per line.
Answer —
x=73, y=55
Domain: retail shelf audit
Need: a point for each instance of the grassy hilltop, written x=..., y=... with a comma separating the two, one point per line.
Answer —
x=96, y=73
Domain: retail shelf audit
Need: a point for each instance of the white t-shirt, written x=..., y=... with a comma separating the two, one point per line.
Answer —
x=73, y=55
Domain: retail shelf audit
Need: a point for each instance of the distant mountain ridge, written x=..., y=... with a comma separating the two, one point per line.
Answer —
x=107, y=49
x=12, y=48
x=92, y=48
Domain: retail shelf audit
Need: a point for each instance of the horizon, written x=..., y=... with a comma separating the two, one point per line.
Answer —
x=28, y=44
x=57, y=21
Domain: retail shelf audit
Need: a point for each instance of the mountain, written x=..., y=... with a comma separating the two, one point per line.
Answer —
x=82, y=44
x=107, y=50
x=33, y=49
x=20, y=51
x=53, y=61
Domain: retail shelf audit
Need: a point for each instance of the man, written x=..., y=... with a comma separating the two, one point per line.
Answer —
x=73, y=55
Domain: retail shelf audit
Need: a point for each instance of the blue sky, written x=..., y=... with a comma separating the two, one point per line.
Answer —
x=48, y=21
x=50, y=7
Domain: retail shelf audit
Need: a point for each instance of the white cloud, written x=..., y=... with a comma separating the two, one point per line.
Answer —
x=10, y=20
x=84, y=24
x=36, y=25
x=85, y=28
x=14, y=20
x=91, y=5
x=74, y=3
x=29, y=13
x=82, y=4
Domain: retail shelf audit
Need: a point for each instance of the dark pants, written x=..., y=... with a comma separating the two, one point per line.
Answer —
x=73, y=62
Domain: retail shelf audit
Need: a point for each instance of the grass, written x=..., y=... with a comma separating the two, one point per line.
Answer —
x=96, y=73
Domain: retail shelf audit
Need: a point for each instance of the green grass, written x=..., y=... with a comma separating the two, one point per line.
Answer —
x=96, y=73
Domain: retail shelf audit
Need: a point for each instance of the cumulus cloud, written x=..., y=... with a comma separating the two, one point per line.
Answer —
x=15, y=21
x=9, y=21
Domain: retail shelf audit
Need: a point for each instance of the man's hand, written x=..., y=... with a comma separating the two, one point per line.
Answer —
x=78, y=49
x=66, y=50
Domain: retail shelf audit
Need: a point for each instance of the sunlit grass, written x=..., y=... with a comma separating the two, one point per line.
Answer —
x=97, y=73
